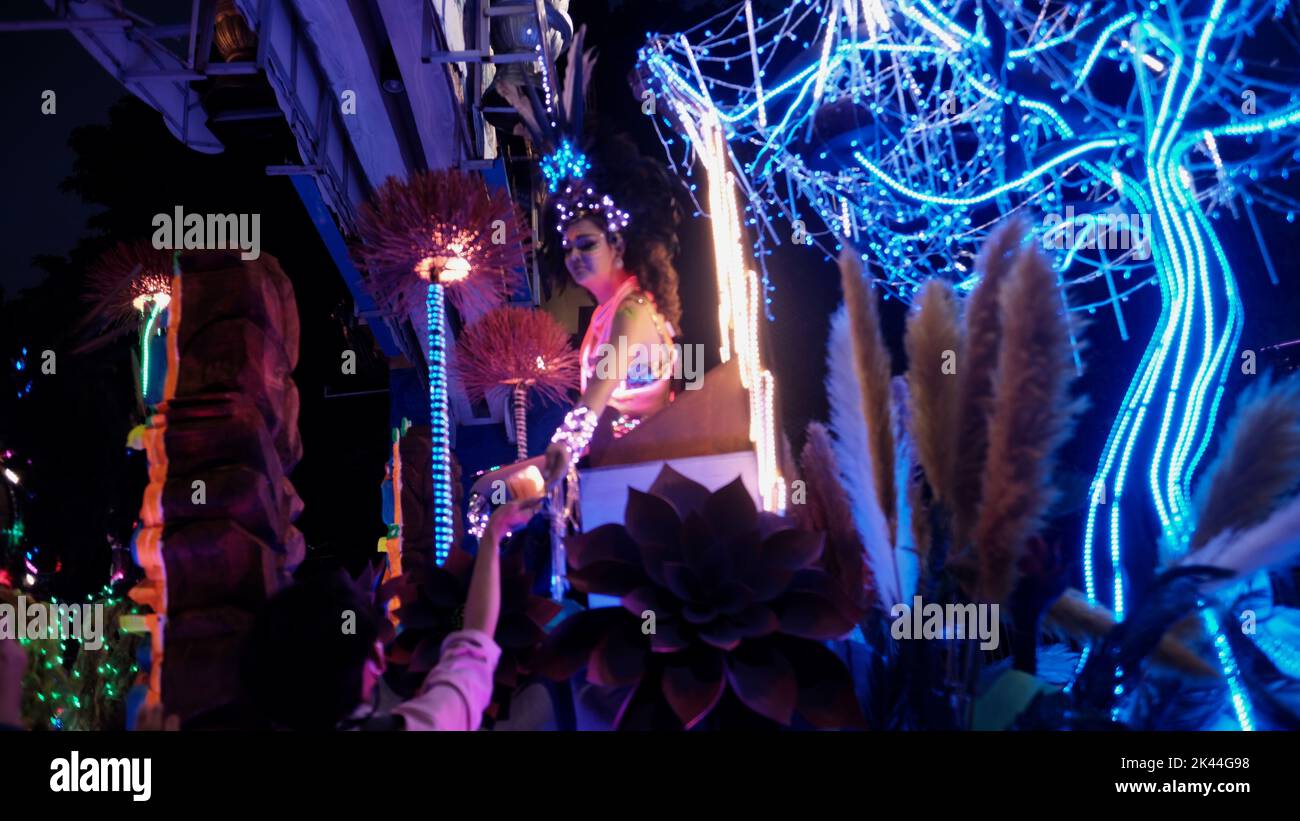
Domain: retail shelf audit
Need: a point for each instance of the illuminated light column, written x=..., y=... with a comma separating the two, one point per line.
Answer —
x=440, y=236
x=740, y=299
x=440, y=440
x=747, y=311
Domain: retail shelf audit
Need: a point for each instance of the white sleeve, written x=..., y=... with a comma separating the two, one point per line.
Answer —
x=457, y=691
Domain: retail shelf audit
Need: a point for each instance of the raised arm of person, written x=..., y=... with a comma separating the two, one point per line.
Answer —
x=458, y=690
x=484, y=602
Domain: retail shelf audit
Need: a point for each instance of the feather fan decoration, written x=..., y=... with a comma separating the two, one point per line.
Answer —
x=933, y=342
x=548, y=129
x=1032, y=416
x=828, y=511
x=1274, y=543
x=1258, y=462
x=872, y=363
x=437, y=215
x=517, y=346
x=852, y=452
x=982, y=332
x=124, y=279
x=517, y=350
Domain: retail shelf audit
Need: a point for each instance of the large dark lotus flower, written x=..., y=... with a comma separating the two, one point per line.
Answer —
x=738, y=606
x=431, y=605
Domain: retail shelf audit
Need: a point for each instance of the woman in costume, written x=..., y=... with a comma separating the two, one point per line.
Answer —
x=624, y=259
x=628, y=353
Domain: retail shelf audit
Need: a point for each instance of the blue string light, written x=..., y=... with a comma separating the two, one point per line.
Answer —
x=565, y=163
x=440, y=440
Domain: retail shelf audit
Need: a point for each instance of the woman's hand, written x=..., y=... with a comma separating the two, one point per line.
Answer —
x=489, y=483
x=556, y=464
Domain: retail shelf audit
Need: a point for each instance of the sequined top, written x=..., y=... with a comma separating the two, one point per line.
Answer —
x=645, y=372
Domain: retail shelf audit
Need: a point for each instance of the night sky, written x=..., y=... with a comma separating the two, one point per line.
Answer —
x=38, y=217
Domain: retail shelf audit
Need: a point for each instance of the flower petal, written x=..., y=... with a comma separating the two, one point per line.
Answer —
x=793, y=549
x=820, y=583
x=756, y=620
x=667, y=637
x=569, y=646
x=618, y=659
x=609, y=542
x=685, y=495
x=699, y=612
x=765, y=580
x=643, y=598
x=609, y=578
x=763, y=680
x=710, y=559
x=731, y=513
x=769, y=523
x=693, y=683
x=810, y=616
x=826, y=696
x=721, y=633
x=652, y=522
x=682, y=581
x=732, y=597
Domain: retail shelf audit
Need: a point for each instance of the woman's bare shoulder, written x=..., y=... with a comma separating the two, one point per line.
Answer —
x=633, y=307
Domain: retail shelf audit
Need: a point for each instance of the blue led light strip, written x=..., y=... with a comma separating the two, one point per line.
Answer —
x=1038, y=170
x=1106, y=33
x=1240, y=697
x=440, y=439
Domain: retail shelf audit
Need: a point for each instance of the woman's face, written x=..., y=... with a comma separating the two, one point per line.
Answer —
x=590, y=256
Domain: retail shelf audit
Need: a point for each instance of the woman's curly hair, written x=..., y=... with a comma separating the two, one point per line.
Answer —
x=655, y=202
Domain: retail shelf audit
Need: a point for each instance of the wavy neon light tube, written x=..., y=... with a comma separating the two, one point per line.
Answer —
x=1167, y=162
x=1259, y=125
x=823, y=64
x=931, y=26
x=949, y=25
x=1100, y=44
x=921, y=196
x=1175, y=239
x=1183, y=226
